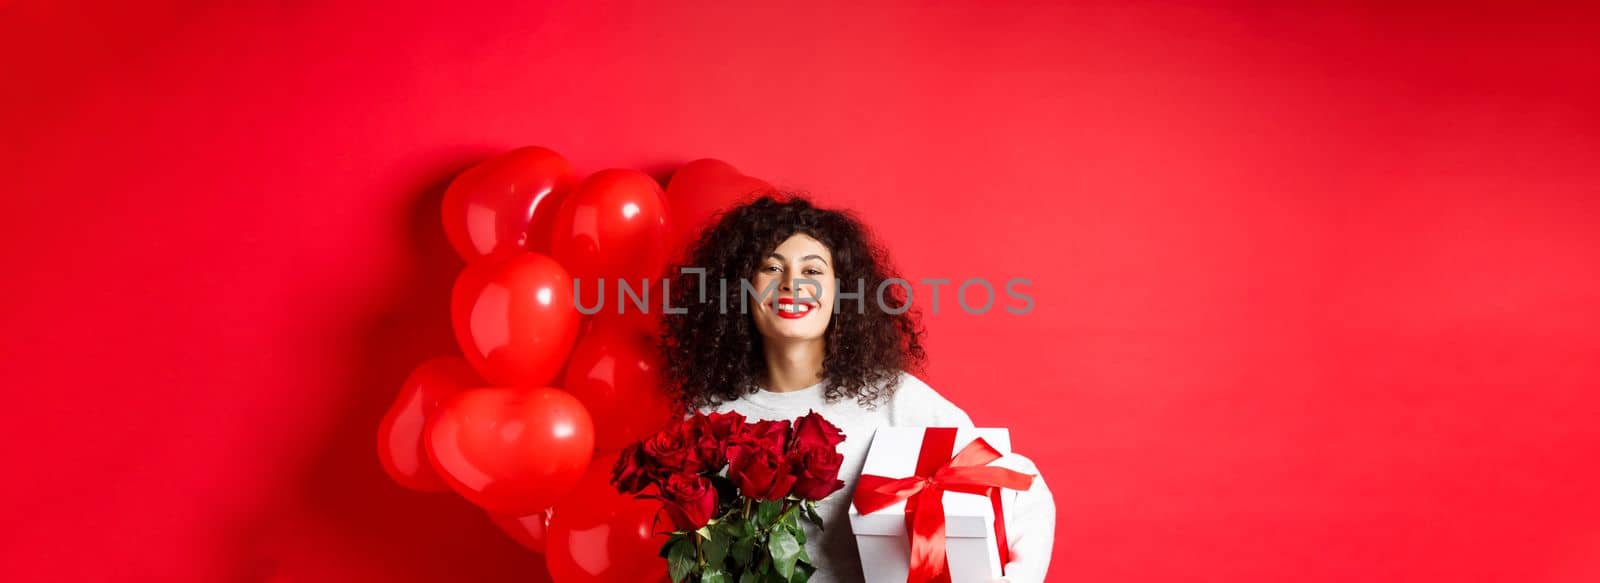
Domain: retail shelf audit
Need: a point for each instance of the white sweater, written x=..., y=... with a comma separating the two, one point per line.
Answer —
x=913, y=404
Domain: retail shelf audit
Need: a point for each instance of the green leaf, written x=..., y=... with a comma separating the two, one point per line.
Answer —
x=667, y=546
x=714, y=576
x=785, y=550
x=811, y=514
x=768, y=512
x=742, y=550
x=764, y=567
x=794, y=528
x=800, y=575
x=682, y=560
x=749, y=577
x=716, y=547
x=804, y=556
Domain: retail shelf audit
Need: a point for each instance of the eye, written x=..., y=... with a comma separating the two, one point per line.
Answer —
x=813, y=271
x=772, y=269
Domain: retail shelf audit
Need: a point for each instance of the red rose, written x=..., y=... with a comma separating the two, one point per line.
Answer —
x=712, y=435
x=774, y=434
x=691, y=500
x=813, y=430
x=722, y=425
x=634, y=471
x=816, y=471
x=760, y=473
x=769, y=436
x=674, y=450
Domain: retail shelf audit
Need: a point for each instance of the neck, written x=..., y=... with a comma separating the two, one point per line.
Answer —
x=793, y=364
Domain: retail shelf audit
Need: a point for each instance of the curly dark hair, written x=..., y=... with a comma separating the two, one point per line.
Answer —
x=712, y=357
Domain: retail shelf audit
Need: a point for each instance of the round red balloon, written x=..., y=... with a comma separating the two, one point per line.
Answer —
x=529, y=531
x=613, y=226
x=506, y=203
x=514, y=318
x=400, y=447
x=697, y=192
x=615, y=371
x=512, y=451
x=599, y=535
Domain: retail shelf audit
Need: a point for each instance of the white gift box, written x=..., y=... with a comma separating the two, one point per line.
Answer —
x=971, y=547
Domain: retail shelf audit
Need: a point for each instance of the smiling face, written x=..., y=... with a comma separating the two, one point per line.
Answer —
x=797, y=309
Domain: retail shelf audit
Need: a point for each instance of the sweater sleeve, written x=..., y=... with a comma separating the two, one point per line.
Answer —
x=1031, y=531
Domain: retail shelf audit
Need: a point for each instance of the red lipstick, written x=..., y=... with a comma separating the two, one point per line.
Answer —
x=789, y=309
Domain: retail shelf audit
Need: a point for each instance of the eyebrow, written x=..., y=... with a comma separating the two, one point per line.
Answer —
x=811, y=256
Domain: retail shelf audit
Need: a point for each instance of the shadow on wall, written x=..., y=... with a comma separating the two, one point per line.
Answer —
x=342, y=503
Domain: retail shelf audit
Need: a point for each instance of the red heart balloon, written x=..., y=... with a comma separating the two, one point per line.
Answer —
x=613, y=225
x=616, y=372
x=506, y=203
x=400, y=447
x=529, y=531
x=599, y=535
x=514, y=319
x=699, y=191
x=512, y=451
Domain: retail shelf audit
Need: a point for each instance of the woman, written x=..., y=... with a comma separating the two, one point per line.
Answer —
x=790, y=350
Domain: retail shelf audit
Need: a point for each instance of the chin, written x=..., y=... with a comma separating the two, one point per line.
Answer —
x=779, y=332
x=784, y=330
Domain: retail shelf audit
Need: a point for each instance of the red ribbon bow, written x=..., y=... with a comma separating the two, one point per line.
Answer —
x=968, y=471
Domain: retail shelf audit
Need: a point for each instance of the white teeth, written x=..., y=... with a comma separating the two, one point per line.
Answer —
x=794, y=308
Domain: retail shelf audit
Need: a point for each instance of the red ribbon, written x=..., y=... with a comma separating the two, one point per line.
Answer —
x=968, y=471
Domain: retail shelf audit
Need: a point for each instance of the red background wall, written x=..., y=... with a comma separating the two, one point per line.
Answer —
x=1316, y=287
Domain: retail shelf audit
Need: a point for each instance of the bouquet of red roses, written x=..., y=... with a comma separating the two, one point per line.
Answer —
x=735, y=492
